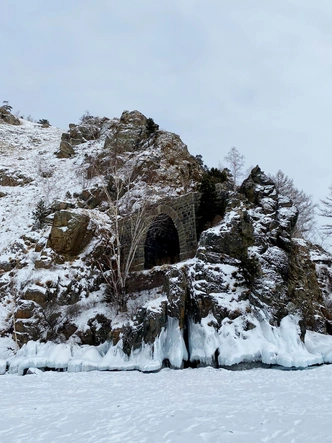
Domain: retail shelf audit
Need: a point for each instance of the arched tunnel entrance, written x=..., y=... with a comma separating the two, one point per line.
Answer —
x=162, y=243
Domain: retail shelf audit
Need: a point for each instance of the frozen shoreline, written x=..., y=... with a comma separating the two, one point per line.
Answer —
x=264, y=344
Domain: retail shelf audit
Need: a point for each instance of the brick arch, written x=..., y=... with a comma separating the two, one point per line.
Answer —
x=152, y=215
x=162, y=245
x=168, y=210
x=181, y=211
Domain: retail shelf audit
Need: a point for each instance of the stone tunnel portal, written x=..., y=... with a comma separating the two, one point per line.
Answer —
x=162, y=243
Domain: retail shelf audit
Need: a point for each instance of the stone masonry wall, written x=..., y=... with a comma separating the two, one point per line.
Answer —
x=182, y=212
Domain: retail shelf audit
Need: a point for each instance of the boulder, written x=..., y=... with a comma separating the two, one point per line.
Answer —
x=66, y=150
x=70, y=233
x=133, y=118
x=36, y=294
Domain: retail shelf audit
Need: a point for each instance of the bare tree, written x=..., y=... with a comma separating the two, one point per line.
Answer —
x=127, y=225
x=326, y=211
x=127, y=209
x=49, y=187
x=15, y=297
x=235, y=161
x=305, y=225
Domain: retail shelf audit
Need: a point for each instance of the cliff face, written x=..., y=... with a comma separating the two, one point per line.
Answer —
x=248, y=284
x=251, y=292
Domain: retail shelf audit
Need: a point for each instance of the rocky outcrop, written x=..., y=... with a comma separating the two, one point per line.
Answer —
x=7, y=117
x=304, y=292
x=135, y=145
x=89, y=129
x=162, y=156
x=128, y=134
x=71, y=232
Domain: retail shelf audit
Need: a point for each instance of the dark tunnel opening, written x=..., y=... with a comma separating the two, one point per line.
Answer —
x=162, y=243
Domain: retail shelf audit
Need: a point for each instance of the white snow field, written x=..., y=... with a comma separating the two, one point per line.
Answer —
x=191, y=405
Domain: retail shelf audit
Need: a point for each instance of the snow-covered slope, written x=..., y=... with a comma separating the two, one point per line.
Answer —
x=27, y=157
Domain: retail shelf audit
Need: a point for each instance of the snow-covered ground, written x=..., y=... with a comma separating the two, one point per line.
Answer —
x=193, y=405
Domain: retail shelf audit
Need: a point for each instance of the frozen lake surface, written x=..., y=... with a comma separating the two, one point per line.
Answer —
x=192, y=405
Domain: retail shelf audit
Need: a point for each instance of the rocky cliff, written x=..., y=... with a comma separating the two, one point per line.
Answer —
x=251, y=292
x=249, y=281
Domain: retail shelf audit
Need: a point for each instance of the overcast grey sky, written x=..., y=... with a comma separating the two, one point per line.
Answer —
x=254, y=74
